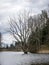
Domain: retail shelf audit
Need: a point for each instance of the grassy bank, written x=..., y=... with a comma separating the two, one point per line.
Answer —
x=41, y=64
x=43, y=51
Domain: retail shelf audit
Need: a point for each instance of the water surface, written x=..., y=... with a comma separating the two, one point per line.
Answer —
x=19, y=58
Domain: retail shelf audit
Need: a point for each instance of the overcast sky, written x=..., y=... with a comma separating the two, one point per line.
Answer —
x=12, y=7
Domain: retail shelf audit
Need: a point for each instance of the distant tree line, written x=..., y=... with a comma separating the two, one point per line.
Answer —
x=39, y=36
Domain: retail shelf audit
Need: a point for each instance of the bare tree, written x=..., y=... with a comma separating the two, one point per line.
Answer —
x=20, y=29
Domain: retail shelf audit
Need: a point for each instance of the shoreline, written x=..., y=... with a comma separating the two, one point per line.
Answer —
x=41, y=64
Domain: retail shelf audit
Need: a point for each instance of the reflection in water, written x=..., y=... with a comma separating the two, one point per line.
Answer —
x=18, y=58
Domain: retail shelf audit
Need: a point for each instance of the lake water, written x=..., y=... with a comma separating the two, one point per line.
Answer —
x=19, y=58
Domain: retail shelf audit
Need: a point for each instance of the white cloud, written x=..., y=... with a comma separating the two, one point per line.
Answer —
x=7, y=39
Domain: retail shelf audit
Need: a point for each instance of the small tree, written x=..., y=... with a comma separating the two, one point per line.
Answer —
x=7, y=46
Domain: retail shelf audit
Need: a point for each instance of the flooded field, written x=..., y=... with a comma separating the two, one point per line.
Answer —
x=19, y=58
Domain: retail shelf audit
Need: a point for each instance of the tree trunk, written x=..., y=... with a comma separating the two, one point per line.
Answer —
x=25, y=48
x=25, y=52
